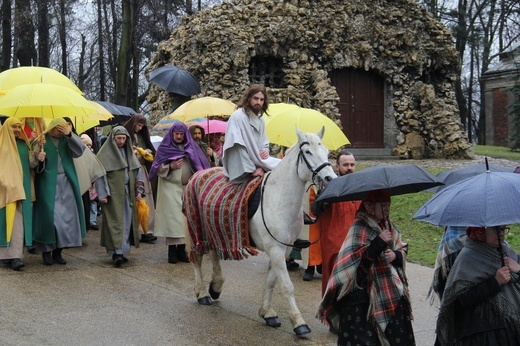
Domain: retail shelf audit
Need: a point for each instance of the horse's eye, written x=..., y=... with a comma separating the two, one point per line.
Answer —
x=308, y=152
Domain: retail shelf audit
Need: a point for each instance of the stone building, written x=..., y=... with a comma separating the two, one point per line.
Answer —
x=497, y=81
x=383, y=70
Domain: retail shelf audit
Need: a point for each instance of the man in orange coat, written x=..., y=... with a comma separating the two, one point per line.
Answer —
x=335, y=221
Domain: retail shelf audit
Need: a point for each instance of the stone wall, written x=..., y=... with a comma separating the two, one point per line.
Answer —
x=397, y=39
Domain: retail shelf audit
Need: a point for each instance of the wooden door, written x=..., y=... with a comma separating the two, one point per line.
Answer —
x=361, y=106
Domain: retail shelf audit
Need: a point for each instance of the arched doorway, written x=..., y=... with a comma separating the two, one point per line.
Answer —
x=361, y=106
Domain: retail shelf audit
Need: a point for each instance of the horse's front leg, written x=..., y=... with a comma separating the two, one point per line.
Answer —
x=266, y=311
x=217, y=279
x=278, y=270
x=200, y=290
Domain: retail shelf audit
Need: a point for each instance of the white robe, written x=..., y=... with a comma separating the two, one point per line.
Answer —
x=245, y=138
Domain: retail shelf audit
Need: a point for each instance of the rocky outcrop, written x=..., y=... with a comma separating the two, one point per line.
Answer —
x=397, y=39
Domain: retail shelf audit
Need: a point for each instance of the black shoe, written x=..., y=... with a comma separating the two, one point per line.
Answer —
x=292, y=265
x=7, y=262
x=94, y=227
x=309, y=274
x=16, y=264
x=308, y=220
x=47, y=258
x=148, y=238
x=124, y=258
x=181, y=253
x=118, y=260
x=318, y=269
x=56, y=256
x=172, y=254
x=301, y=244
x=31, y=249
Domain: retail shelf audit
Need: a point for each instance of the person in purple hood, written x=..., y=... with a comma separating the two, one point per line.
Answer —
x=177, y=159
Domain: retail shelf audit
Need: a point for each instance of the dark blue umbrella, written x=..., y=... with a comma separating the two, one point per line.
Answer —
x=456, y=175
x=120, y=113
x=175, y=80
x=484, y=200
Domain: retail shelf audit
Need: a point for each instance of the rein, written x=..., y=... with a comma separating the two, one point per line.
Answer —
x=268, y=174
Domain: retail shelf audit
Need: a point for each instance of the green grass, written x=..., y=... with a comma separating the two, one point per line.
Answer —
x=423, y=238
x=491, y=151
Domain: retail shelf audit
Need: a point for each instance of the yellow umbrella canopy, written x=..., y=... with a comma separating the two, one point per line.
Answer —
x=46, y=101
x=82, y=124
x=203, y=107
x=282, y=119
x=9, y=79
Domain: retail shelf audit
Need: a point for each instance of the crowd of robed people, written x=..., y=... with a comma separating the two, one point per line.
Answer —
x=365, y=296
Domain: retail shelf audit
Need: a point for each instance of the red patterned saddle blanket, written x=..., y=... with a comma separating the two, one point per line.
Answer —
x=216, y=212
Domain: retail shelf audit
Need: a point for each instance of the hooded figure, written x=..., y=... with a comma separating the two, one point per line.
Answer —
x=117, y=193
x=58, y=215
x=178, y=158
x=16, y=192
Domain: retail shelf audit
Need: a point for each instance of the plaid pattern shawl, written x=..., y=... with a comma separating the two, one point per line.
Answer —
x=216, y=211
x=386, y=284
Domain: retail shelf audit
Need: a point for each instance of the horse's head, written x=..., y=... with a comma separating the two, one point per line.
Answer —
x=315, y=157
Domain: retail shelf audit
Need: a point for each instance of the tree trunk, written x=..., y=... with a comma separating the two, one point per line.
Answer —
x=25, y=51
x=102, y=77
x=6, y=35
x=43, y=33
x=125, y=54
x=63, y=38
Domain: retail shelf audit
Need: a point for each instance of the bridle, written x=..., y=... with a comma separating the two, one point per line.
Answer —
x=315, y=172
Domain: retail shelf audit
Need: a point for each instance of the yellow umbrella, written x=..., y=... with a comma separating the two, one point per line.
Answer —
x=9, y=79
x=283, y=118
x=203, y=107
x=46, y=101
x=10, y=211
x=82, y=124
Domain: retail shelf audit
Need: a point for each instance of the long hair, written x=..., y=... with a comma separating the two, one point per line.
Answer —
x=253, y=89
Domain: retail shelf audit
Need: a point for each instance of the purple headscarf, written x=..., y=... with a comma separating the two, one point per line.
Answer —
x=169, y=150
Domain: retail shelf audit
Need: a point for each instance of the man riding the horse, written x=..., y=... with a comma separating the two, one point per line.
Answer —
x=246, y=148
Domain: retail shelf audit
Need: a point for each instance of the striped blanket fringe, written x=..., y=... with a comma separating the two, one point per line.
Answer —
x=216, y=212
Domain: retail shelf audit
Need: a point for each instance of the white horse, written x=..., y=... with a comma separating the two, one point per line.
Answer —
x=276, y=225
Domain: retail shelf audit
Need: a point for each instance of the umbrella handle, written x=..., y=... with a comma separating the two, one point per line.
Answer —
x=500, y=249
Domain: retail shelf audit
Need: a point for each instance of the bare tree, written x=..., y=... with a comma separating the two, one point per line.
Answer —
x=43, y=33
x=25, y=50
x=6, y=34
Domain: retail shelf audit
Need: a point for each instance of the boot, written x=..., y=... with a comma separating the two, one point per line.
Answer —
x=181, y=253
x=172, y=254
x=309, y=273
x=16, y=264
x=47, y=258
x=56, y=256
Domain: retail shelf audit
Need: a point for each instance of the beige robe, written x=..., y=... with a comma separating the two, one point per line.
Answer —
x=170, y=222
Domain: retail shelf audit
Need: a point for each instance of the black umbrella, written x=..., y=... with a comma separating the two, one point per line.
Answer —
x=120, y=113
x=397, y=179
x=175, y=80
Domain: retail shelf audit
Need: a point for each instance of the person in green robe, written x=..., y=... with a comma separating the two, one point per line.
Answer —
x=118, y=192
x=58, y=215
x=15, y=193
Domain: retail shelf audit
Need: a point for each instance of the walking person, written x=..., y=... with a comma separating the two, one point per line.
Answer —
x=117, y=192
x=15, y=198
x=367, y=301
x=58, y=215
x=178, y=158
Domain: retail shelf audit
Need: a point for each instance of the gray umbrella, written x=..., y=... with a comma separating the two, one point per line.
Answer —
x=175, y=80
x=120, y=113
x=397, y=179
x=456, y=175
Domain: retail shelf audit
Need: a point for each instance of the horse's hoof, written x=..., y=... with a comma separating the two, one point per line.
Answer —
x=205, y=301
x=302, y=330
x=215, y=295
x=273, y=321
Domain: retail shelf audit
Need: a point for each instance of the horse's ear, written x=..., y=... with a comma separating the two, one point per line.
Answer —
x=321, y=133
x=301, y=135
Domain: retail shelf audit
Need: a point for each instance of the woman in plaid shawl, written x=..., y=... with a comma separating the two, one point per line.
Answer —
x=367, y=300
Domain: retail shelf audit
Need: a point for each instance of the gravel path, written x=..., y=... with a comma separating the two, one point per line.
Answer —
x=443, y=163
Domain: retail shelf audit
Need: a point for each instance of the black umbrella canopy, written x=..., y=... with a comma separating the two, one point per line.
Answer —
x=120, y=113
x=175, y=80
x=397, y=179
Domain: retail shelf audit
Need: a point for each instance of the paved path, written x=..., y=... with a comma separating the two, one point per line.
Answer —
x=151, y=302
